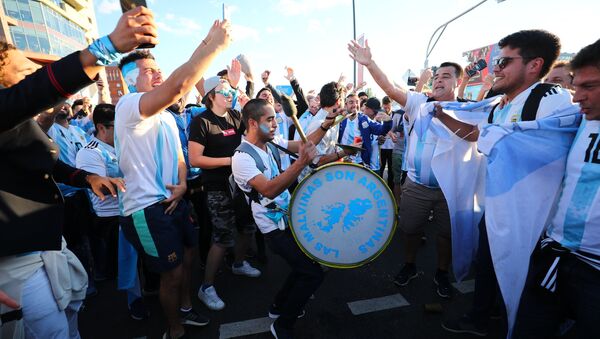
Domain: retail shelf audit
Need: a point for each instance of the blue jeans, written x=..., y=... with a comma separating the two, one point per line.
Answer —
x=41, y=316
x=304, y=279
x=577, y=296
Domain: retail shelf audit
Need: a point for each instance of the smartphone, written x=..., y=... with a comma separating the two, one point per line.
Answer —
x=226, y=13
x=127, y=5
x=479, y=65
x=412, y=81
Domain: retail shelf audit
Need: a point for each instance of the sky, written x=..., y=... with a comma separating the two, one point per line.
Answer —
x=311, y=36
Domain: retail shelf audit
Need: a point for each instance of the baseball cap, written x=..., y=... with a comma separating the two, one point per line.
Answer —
x=374, y=104
x=211, y=83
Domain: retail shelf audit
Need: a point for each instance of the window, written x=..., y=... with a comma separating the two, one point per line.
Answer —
x=36, y=13
x=18, y=37
x=11, y=9
x=25, y=11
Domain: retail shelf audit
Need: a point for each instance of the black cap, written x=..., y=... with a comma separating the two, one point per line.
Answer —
x=374, y=104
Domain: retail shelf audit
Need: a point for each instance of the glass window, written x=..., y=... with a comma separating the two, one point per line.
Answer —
x=11, y=9
x=18, y=37
x=36, y=12
x=32, y=40
x=44, y=43
x=25, y=12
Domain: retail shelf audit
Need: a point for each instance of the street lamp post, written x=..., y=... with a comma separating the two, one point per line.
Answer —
x=354, y=36
x=443, y=28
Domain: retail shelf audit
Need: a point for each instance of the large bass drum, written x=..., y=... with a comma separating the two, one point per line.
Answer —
x=343, y=215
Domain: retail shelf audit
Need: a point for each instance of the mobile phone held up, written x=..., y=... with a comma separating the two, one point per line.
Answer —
x=127, y=5
x=479, y=65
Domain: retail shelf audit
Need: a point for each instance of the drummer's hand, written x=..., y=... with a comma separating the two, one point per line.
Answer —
x=353, y=152
x=307, y=153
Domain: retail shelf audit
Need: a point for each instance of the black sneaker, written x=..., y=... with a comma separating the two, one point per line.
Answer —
x=193, y=318
x=444, y=289
x=138, y=310
x=281, y=333
x=275, y=312
x=464, y=324
x=406, y=274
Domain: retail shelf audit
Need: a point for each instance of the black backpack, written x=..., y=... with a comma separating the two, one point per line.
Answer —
x=532, y=103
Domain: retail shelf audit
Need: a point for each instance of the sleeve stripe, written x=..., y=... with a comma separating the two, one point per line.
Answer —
x=56, y=84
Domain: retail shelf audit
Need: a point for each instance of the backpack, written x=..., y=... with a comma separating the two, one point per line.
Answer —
x=248, y=149
x=532, y=103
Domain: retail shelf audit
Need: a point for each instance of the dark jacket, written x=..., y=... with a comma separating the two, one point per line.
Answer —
x=31, y=205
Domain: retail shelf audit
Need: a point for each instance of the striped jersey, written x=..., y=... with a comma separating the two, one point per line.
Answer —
x=100, y=158
x=576, y=224
x=419, y=148
x=147, y=151
x=69, y=140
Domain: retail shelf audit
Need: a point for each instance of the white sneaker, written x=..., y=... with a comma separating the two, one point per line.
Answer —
x=210, y=298
x=246, y=270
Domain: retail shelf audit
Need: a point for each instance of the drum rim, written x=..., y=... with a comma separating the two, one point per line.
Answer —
x=337, y=265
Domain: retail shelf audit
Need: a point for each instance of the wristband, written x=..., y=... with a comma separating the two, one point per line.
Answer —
x=329, y=118
x=104, y=50
x=323, y=128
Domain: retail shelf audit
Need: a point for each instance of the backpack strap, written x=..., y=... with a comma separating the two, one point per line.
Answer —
x=491, y=116
x=245, y=147
x=532, y=103
x=273, y=147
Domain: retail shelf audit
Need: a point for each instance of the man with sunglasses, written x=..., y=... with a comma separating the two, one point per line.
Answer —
x=421, y=191
x=525, y=58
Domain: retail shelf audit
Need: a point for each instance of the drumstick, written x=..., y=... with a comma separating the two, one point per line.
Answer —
x=337, y=121
x=291, y=111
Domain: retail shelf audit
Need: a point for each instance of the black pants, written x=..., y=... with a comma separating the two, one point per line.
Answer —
x=301, y=283
x=104, y=238
x=76, y=227
x=486, y=284
x=197, y=198
x=386, y=158
x=577, y=296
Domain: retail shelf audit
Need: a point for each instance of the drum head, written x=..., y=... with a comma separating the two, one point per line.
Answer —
x=343, y=215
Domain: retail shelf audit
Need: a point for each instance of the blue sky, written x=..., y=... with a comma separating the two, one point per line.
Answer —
x=311, y=35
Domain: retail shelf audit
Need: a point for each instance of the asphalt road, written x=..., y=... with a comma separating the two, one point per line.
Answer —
x=351, y=303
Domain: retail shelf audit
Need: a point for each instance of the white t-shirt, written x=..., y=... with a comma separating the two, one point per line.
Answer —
x=419, y=149
x=147, y=150
x=326, y=145
x=558, y=99
x=576, y=224
x=244, y=169
x=100, y=158
x=350, y=132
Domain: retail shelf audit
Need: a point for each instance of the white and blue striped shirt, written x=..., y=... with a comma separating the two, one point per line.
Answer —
x=576, y=224
x=147, y=150
x=420, y=148
x=69, y=140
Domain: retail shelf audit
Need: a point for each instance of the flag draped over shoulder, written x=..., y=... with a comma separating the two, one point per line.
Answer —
x=460, y=171
x=525, y=166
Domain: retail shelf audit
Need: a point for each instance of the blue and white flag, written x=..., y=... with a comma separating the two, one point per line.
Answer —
x=460, y=172
x=525, y=166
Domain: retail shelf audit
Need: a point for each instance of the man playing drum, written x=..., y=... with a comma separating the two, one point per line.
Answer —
x=267, y=190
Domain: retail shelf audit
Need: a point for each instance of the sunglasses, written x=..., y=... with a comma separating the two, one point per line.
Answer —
x=226, y=93
x=502, y=62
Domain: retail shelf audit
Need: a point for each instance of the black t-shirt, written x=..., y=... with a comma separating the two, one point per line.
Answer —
x=220, y=136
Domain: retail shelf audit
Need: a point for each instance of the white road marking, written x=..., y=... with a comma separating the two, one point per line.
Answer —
x=246, y=327
x=377, y=304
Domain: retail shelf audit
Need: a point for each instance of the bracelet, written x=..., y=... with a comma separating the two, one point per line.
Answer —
x=204, y=42
x=323, y=128
x=329, y=118
x=104, y=50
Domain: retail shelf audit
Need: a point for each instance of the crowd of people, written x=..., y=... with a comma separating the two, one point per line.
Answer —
x=139, y=191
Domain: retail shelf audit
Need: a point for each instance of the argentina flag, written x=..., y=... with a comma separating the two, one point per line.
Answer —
x=525, y=166
x=460, y=172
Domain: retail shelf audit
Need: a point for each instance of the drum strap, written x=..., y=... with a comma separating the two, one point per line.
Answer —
x=248, y=149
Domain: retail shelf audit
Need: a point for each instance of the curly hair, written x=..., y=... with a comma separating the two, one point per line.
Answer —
x=4, y=48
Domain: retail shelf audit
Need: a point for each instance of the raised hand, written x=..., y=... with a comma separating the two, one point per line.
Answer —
x=360, y=54
x=290, y=73
x=234, y=73
x=219, y=35
x=134, y=28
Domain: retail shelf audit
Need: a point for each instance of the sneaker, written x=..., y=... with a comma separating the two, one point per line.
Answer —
x=275, y=312
x=193, y=318
x=464, y=325
x=210, y=298
x=406, y=274
x=138, y=310
x=246, y=270
x=444, y=289
x=168, y=336
x=281, y=333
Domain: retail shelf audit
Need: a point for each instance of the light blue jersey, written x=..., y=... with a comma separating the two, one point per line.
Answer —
x=420, y=148
x=576, y=224
x=69, y=140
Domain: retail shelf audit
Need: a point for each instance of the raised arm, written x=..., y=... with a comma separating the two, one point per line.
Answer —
x=187, y=75
x=426, y=75
x=301, y=102
x=363, y=56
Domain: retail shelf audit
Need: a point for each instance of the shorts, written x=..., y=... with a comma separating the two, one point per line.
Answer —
x=415, y=206
x=161, y=237
x=397, y=166
x=224, y=215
